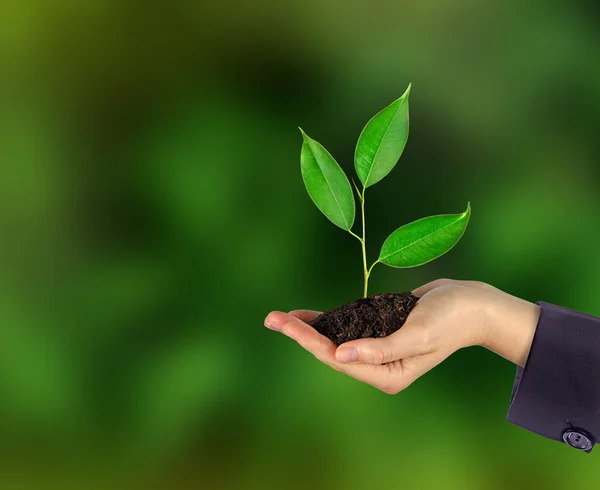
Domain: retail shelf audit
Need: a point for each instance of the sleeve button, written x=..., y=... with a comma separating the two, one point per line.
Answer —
x=578, y=439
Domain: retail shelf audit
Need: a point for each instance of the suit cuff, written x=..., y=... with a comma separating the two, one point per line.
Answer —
x=557, y=393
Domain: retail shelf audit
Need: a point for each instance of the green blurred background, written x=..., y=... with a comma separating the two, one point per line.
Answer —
x=152, y=213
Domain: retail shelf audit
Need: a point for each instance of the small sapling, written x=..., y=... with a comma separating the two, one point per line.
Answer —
x=379, y=148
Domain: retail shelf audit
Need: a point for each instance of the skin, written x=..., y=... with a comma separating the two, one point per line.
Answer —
x=449, y=315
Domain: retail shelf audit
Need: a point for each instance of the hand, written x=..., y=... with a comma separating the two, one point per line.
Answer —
x=449, y=315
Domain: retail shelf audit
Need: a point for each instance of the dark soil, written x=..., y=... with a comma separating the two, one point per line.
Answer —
x=374, y=316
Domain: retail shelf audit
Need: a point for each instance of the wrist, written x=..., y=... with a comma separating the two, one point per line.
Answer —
x=510, y=327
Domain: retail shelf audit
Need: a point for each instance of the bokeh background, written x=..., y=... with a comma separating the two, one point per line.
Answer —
x=152, y=213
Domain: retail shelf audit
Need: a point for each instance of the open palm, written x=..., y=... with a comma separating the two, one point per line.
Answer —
x=432, y=332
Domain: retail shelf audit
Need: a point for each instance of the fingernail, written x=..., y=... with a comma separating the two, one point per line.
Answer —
x=347, y=354
x=272, y=325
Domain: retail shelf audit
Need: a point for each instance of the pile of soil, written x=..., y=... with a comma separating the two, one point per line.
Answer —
x=374, y=316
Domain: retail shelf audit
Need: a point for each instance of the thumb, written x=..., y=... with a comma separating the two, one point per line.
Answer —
x=406, y=342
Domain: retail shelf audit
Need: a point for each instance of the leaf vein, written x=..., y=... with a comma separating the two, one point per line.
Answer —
x=422, y=238
x=330, y=188
x=380, y=141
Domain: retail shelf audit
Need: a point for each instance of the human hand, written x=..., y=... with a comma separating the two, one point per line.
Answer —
x=449, y=315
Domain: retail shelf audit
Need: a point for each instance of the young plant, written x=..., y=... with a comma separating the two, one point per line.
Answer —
x=379, y=148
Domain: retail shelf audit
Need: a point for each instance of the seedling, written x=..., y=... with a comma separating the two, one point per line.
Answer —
x=378, y=150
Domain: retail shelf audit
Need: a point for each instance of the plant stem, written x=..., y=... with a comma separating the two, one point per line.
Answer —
x=364, y=243
x=373, y=265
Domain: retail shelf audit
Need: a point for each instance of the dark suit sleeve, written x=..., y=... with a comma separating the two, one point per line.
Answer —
x=557, y=393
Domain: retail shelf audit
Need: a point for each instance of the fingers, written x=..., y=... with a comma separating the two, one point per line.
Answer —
x=320, y=346
x=415, y=367
x=385, y=378
x=324, y=349
x=305, y=315
x=410, y=340
x=393, y=377
x=389, y=378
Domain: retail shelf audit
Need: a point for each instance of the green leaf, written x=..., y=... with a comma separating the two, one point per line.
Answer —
x=382, y=141
x=326, y=183
x=423, y=240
